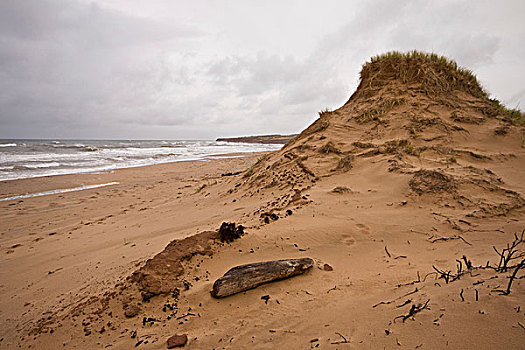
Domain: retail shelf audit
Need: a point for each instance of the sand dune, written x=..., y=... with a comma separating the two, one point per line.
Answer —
x=402, y=197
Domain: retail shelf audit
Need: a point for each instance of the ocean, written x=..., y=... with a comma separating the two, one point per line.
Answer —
x=32, y=158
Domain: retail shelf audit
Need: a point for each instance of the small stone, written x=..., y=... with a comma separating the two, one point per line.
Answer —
x=289, y=212
x=177, y=341
x=131, y=311
x=327, y=267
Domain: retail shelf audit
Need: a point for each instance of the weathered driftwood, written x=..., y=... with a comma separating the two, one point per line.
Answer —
x=244, y=277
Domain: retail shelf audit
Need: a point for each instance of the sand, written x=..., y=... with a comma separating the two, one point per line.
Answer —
x=379, y=200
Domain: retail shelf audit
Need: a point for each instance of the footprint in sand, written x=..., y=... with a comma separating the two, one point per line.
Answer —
x=363, y=229
x=347, y=239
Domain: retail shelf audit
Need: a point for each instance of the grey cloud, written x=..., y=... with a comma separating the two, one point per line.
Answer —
x=185, y=70
x=73, y=64
x=271, y=85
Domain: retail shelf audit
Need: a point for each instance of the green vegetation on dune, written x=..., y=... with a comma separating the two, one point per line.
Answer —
x=436, y=74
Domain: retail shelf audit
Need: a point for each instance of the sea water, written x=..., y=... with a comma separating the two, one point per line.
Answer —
x=31, y=158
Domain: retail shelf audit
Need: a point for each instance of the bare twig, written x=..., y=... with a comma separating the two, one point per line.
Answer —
x=443, y=274
x=419, y=280
x=344, y=341
x=408, y=301
x=413, y=310
x=331, y=289
x=468, y=263
x=507, y=291
x=396, y=299
x=186, y=315
x=444, y=239
x=506, y=254
x=413, y=282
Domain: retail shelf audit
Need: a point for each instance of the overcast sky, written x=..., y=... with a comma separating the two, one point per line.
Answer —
x=168, y=69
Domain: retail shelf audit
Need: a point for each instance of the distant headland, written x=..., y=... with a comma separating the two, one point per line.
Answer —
x=277, y=139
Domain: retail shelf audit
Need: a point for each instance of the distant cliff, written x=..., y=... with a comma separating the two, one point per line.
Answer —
x=277, y=139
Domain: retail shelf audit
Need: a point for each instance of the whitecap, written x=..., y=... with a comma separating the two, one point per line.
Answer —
x=41, y=165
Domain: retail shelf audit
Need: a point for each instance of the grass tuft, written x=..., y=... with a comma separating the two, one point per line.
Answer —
x=252, y=168
x=324, y=112
x=435, y=73
x=329, y=147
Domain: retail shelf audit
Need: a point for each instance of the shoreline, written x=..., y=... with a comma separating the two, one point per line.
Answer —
x=38, y=158
x=104, y=171
x=44, y=183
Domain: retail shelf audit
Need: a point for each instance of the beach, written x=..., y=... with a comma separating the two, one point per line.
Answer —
x=63, y=250
x=407, y=202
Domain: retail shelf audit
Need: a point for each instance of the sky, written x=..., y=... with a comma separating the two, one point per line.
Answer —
x=170, y=69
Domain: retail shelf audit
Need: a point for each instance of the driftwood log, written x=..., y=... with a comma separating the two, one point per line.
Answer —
x=244, y=277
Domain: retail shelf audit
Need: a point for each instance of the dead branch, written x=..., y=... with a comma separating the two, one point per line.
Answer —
x=459, y=266
x=446, y=275
x=408, y=301
x=344, y=341
x=396, y=299
x=507, y=254
x=468, y=263
x=444, y=239
x=419, y=280
x=507, y=291
x=413, y=282
x=331, y=289
x=414, y=310
x=186, y=315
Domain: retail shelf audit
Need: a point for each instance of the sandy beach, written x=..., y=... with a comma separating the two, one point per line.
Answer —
x=402, y=198
x=59, y=249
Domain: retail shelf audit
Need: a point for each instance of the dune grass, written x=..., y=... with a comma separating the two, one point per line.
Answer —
x=436, y=74
x=252, y=168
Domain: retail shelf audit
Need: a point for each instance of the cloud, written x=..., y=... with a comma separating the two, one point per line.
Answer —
x=77, y=64
x=164, y=69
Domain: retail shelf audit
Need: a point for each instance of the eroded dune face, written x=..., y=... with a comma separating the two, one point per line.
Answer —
x=398, y=197
x=427, y=118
